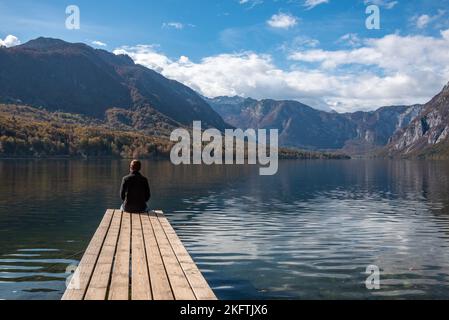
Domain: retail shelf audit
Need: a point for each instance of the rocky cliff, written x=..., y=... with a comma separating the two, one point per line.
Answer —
x=301, y=126
x=428, y=133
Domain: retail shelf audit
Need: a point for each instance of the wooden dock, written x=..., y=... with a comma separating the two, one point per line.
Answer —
x=137, y=257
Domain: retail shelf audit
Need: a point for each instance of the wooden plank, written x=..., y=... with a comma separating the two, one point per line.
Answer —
x=161, y=267
x=99, y=282
x=119, y=289
x=140, y=280
x=158, y=277
x=82, y=275
x=199, y=285
x=178, y=281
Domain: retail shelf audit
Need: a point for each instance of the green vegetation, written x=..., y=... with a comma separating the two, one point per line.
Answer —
x=32, y=132
x=293, y=154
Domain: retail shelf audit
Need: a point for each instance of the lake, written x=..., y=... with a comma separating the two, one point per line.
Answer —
x=310, y=232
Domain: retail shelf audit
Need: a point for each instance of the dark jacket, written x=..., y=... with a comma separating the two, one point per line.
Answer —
x=135, y=193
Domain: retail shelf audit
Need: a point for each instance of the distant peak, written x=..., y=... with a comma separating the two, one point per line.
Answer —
x=233, y=99
x=50, y=45
x=446, y=87
x=43, y=43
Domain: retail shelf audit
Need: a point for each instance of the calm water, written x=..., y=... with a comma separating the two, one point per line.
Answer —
x=307, y=233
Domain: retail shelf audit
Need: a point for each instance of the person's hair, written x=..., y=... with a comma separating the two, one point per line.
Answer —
x=136, y=165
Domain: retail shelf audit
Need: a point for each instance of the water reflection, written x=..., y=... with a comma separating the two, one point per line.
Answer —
x=308, y=232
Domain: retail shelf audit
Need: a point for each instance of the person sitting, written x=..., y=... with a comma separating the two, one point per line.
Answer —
x=135, y=190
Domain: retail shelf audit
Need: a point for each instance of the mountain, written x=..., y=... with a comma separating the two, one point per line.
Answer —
x=375, y=129
x=299, y=125
x=30, y=132
x=38, y=133
x=230, y=108
x=76, y=81
x=427, y=136
x=304, y=127
x=75, y=78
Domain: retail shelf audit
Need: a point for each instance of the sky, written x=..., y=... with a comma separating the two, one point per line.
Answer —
x=319, y=52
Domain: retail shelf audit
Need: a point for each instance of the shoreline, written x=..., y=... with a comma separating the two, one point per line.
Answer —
x=154, y=159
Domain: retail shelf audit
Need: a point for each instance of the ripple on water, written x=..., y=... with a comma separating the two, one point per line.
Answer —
x=307, y=233
x=37, y=274
x=327, y=242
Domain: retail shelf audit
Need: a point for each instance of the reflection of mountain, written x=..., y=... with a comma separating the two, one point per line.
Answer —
x=345, y=214
x=305, y=127
x=78, y=79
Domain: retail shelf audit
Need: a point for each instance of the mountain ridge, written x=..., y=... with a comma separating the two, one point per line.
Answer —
x=74, y=77
x=305, y=127
x=428, y=134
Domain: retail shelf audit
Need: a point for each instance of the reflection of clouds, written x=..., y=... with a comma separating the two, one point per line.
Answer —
x=319, y=240
x=308, y=232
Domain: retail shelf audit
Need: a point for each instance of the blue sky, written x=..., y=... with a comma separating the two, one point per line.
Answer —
x=316, y=51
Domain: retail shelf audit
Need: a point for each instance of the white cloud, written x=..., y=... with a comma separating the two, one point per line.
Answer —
x=282, y=21
x=245, y=74
x=350, y=39
x=392, y=70
x=445, y=34
x=390, y=53
x=383, y=3
x=175, y=25
x=424, y=20
x=252, y=3
x=99, y=43
x=310, y=4
x=413, y=67
x=299, y=42
x=10, y=41
x=184, y=60
x=147, y=56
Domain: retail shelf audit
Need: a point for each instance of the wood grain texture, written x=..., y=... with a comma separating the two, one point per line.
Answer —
x=140, y=280
x=179, y=283
x=197, y=282
x=99, y=282
x=137, y=257
x=81, y=278
x=120, y=281
x=158, y=276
